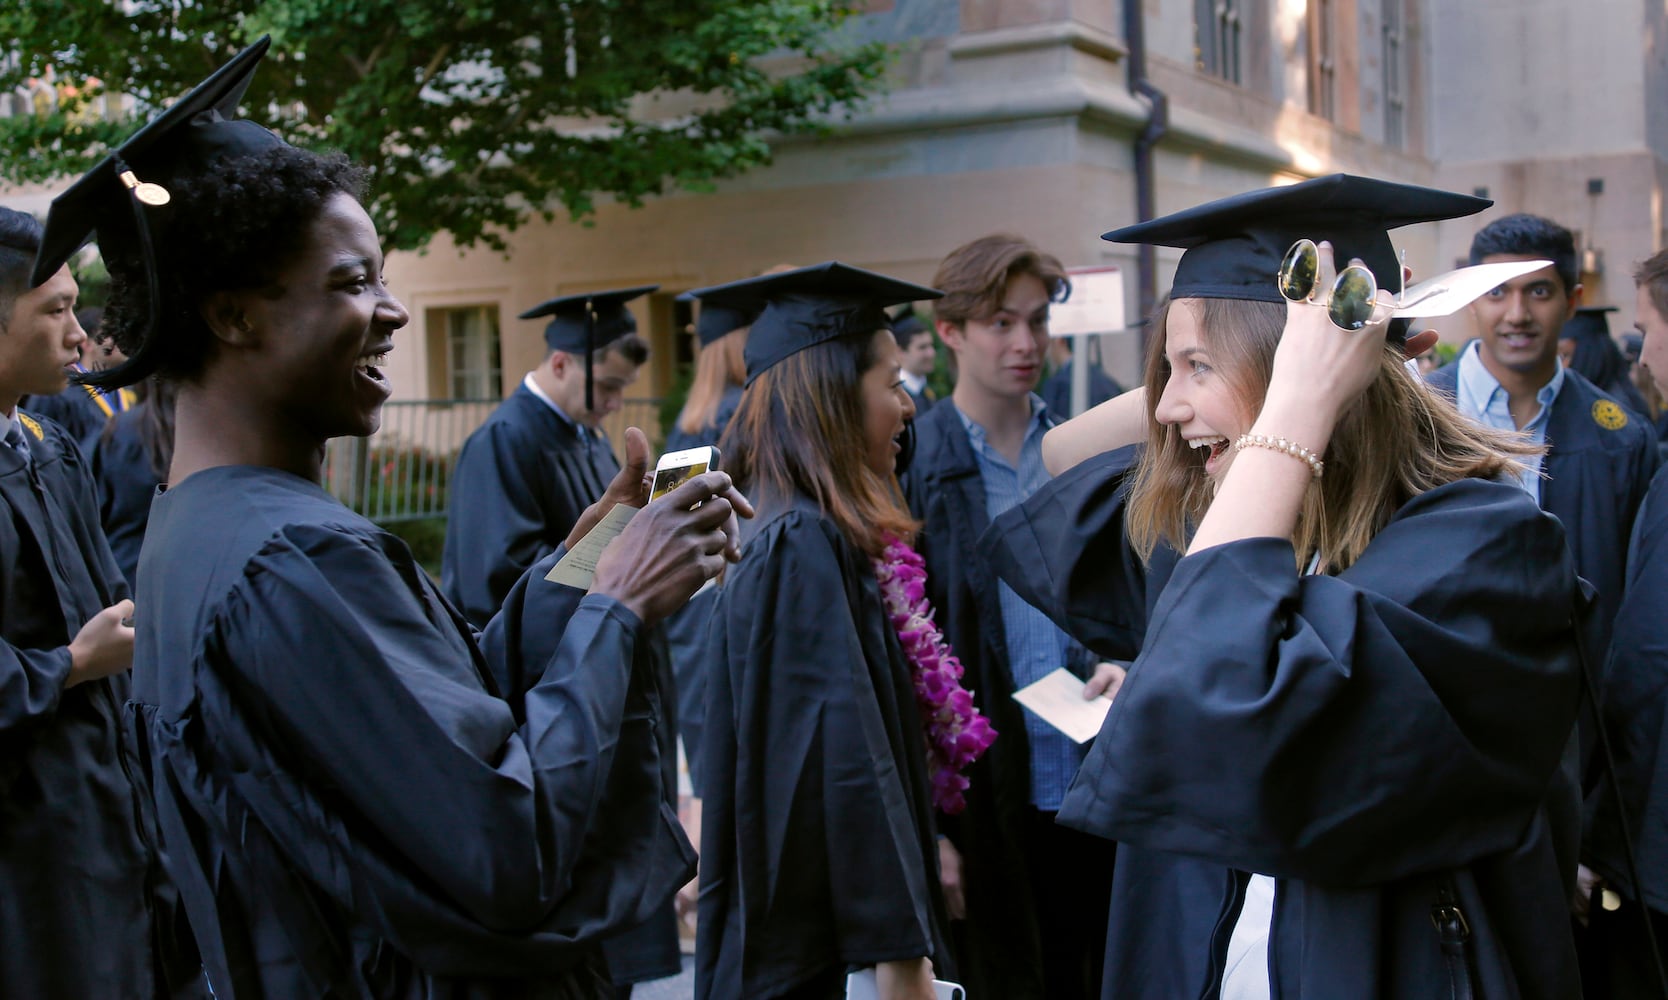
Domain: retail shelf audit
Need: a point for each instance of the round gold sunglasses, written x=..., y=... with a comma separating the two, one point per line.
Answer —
x=1351, y=299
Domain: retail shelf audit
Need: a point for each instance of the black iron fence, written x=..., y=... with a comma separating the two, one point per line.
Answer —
x=402, y=472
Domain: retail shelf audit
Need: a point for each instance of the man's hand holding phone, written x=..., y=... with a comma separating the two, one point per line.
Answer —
x=675, y=544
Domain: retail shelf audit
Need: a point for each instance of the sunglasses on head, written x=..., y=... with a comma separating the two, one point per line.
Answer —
x=1351, y=299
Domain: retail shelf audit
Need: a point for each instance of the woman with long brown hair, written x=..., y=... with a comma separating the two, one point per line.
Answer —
x=1338, y=764
x=818, y=851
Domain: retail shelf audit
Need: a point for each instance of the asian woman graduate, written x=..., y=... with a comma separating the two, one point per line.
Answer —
x=358, y=795
x=818, y=853
x=1341, y=764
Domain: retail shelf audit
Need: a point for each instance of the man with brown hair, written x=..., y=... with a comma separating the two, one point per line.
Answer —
x=1033, y=896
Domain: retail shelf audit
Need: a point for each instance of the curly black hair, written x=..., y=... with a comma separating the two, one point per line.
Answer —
x=232, y=227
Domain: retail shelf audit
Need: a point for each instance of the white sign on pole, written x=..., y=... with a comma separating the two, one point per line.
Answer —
x=1096, y=306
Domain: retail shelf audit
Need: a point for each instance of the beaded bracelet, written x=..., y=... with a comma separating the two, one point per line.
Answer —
x=1283, y=446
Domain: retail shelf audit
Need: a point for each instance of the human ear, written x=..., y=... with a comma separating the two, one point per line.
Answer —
x=224, y=314
x=1575, y=300
x=950, y=333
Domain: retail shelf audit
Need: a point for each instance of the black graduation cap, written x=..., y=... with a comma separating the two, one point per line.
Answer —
x=811, y=305
x=1588, y=321
x=125, y=197
x=906, y=324
x=587, y=322
x=1234, y=245
x=718, y=319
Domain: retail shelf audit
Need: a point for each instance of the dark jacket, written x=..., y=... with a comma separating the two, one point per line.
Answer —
x=1002, y=955
x=1598, y=465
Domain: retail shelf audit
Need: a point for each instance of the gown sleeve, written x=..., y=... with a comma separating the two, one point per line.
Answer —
x=1404, y=716
x=31, y=686
x=1066, y=553
x=406, y=789
x=59, y=514
x=827, y=851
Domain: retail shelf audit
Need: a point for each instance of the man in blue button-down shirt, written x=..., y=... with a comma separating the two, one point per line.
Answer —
x=1034, y=894
x=1599, y=458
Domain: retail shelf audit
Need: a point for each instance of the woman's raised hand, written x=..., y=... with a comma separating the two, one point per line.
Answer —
x=1320, y=368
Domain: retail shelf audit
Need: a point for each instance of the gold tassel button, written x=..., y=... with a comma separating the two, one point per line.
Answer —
x=145, y=191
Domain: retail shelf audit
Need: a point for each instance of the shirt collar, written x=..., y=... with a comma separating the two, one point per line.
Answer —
x=533, y=387
x=1481, y=385
x=1039, y=421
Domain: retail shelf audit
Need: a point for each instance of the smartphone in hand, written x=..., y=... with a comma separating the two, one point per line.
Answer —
x=675, y=467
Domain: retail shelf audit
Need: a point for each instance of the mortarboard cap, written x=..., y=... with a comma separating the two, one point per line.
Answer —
x=718, y=319
x=906, y=324
x=587, y=322
x=124, y=198
x=812, y=305
x=1588, y=321
x=1234, y=245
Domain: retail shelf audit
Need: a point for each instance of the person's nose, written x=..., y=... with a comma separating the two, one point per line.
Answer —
x=77, y=336
x=1517, y=308
x=392, y=313
x=1173, y=407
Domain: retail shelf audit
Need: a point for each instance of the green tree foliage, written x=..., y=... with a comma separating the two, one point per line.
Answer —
x=473, y=115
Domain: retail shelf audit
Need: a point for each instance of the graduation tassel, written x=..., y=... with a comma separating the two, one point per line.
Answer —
x=590, y=349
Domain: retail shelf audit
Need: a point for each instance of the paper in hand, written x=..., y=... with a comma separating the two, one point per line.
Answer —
x=1058, y=700
x=579, y=565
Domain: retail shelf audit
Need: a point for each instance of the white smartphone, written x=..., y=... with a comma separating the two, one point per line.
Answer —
x=861, y=985
x=675, y=467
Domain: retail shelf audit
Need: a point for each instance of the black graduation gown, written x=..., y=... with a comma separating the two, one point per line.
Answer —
x=817, y=842
x=81, y=903
x=126, y=486
x=1597, y=471
x=521, y=482
x=686, y=630
x=1056, y=389
x=347, y=804
x=1636, y=712
x=1377, y=741
x=999, y=951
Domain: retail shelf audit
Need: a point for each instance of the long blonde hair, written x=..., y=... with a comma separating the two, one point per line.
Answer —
x=1397, y=441
x=718, y=366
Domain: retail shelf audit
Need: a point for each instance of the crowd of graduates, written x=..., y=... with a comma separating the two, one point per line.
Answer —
x=1383, y=649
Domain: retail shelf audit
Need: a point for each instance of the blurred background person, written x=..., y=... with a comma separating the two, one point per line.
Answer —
x=1585, y=345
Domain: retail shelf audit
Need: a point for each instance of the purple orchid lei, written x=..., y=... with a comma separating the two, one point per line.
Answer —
x=956, y=733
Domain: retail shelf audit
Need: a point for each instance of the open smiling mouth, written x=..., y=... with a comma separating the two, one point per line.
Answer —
x=1213, y=447
x=370, y=366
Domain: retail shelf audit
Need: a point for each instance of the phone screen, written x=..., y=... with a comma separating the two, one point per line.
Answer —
x=676, y=468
